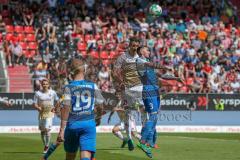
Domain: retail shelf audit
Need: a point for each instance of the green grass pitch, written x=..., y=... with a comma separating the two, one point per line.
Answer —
x=173, y=146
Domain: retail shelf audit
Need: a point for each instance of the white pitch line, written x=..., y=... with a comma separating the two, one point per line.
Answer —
x=199, y=138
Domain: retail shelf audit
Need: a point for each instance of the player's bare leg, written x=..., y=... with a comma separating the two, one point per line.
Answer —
x=117, y=132
x=136, y=135
x=45, y=136
x=129, y=128
x=85, y=155
x=71, y=156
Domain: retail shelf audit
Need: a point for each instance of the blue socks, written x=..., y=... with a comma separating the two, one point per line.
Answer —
x=51, y=149
x=85, y=158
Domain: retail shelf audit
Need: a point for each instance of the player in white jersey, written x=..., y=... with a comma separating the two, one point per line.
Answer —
x=44, y=101
x=125, y=71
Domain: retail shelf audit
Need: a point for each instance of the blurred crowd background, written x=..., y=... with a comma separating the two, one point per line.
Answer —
x=199, y=39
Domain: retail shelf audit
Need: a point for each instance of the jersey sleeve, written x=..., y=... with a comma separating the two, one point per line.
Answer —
x=140, y=63
x=35, y=99
x=98, y=95
x=119, y=62
x=66, y=96
x=56, y=98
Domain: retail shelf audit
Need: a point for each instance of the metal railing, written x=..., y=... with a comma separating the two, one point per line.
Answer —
x=4, y=79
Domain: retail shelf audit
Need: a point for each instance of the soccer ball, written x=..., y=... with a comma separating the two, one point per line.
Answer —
x=155, y=10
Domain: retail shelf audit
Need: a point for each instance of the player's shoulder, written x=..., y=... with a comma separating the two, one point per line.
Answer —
x=91, y=84
x=122, y=56
x=88, y=82
x=140, y=59
x=52, y=91
x=85, y=83
x=38, y=92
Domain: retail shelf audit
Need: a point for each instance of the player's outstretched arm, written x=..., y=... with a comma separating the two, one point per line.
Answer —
x=171, y=78
x=157, y=66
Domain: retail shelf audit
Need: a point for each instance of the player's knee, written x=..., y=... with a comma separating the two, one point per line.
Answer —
x=115, y=129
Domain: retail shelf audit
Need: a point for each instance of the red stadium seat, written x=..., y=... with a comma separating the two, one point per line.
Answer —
x=97, y=36
x=82, y=46
x=184, y=89
x=21, y=37
x=30, y=38
x=189, y=81
x=9, y=28
x=18, y=29
x=15, y=39
x=33, y=53
x=83, y=53
x=23, y=45
x=29, y=53
x=80, y=37
x=103, y=55
x=100, y=47
x=9, y=37
x=94, y=54
x=87, y=37
x=32, y=45
x=174, y=88
x=26, y=52
x=179, y=84
x=106, y=62
x=113, y=54
x=28, y=29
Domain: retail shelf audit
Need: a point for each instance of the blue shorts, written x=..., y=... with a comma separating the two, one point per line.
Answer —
x=80, y=135
x=152, y=104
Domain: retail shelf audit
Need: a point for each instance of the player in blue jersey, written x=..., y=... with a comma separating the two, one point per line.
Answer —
x=77, y=114
x=151, y=98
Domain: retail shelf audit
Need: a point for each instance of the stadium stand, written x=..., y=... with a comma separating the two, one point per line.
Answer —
x=198, y=38
x=20, y=80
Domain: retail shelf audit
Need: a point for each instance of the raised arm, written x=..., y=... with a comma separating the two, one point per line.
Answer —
x=170, y=77
x=157, y=66
x=118, y=73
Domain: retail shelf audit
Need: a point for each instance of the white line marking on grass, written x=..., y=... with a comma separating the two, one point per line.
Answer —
x=201, y=138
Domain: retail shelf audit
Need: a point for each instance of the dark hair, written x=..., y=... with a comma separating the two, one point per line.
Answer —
x=134, y=39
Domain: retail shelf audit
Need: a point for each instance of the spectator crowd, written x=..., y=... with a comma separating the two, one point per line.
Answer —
x=200, y=39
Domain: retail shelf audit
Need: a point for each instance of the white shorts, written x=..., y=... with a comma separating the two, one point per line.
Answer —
x=128, y=122
x=133, y=96
x=45, y=124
